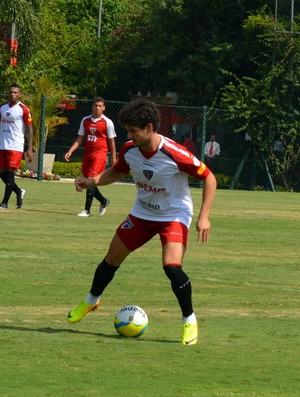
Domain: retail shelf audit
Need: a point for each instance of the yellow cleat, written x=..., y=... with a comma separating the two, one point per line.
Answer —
x=190, y=334
x=84, y=308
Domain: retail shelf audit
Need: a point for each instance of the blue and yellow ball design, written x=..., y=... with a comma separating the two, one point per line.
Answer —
x=131, y=321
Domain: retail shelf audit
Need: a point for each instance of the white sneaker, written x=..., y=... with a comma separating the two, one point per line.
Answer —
x=84, y=213
x=20, y=199
x=102, y=209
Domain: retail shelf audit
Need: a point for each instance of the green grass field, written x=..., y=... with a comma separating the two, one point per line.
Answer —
x=245, y=288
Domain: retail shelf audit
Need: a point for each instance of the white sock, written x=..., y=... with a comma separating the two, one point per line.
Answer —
x=92, y=299
x=190, y=319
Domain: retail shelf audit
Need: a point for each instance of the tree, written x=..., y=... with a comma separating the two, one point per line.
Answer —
x=53, y=118
x=267, y=106
x=24, y=15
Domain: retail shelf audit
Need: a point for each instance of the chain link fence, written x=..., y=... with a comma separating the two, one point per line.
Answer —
x=238, y=166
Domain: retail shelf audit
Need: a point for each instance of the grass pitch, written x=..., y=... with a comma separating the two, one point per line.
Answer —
x=245, y=289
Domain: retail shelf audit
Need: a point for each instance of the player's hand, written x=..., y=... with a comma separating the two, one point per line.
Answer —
x=67, y=156
x=82, y=183
x=29, y=155
x=203, y=227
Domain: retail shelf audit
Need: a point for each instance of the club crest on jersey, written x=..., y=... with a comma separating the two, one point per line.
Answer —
x=148, y=174
x=7, y=114
x=127, y=224
x=92, y=130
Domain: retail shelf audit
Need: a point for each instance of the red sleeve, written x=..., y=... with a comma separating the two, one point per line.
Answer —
x=26, y=114
x=121, y=165
x=196, y=168
x=185, y=160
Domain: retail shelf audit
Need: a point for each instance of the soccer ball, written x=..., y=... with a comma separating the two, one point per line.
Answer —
x=131, y=321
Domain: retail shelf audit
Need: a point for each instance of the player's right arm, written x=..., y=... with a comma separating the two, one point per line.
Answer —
x=78, y=141
x=105, y=178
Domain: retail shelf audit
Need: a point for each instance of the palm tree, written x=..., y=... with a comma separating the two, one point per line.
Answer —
x=22, y=17
x=53, y=118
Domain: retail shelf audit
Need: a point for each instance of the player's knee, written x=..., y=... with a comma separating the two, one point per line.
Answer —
x=176, y=275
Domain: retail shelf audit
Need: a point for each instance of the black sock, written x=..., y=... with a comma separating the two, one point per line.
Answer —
x=98, y=196
x=102, y=277
x=89, y=198
x=10, y=186
x=181, y=286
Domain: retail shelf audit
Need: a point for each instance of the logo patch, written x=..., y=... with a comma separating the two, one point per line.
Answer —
x=127, y=224
x=92, y=130
x=7, y=114
x=148, y=174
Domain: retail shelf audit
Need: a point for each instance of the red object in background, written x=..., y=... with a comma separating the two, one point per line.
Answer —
x=67, y=104
x=8, y=39
x=190, y=145
x=168, y=118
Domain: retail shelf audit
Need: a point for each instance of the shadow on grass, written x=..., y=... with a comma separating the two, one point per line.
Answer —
x=50, y=212
x=49, y=330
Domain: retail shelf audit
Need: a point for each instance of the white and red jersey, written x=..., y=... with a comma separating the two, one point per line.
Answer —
x=13, y=118
x=96, y=132
x=161, y=179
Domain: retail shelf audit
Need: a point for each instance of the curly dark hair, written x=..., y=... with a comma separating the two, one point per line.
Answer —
x=139, y=113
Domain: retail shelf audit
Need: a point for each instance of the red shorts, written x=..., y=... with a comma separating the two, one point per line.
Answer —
x=10, y=159
x=92, y=166
x=135, y=232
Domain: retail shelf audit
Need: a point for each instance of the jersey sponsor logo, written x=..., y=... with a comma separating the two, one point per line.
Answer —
x=148, y=188
x=127, y=224
x=150, y=206
x=148, y=174
x=91, y=138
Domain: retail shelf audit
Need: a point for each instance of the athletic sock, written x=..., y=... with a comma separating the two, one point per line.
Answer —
x=181, y=286
x=190, y=319
x=91, y=299
x=89, y=198
x=102, y=277
x=9, y=185
x=98, y=196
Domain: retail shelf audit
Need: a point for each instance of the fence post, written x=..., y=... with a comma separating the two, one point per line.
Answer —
x=42, y=139
x=203, y=136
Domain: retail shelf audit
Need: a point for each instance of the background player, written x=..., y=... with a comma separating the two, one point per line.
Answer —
x=160, y=169
x=98, y=132
x=15, y=123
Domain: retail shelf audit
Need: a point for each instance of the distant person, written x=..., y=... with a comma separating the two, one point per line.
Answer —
x=189, y=144
x=212, y=152
x=163, y=206
x=98, y=133
x=15, y=126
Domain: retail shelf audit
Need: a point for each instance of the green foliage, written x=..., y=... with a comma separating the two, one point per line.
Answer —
x=53, y=117
x=23, y=16
x=66, y=170
x=267, y=106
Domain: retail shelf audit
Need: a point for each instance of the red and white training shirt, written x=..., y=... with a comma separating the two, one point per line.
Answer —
x=13, y=118
x=96, y=132
x=161, y=179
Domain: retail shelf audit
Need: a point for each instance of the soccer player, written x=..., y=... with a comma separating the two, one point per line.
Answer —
x=163, y=205
x=15, y=123
x=98, y=132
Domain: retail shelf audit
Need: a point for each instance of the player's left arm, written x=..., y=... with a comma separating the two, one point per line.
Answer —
x=113, y=151
x=29, y=137
x=203, y=223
